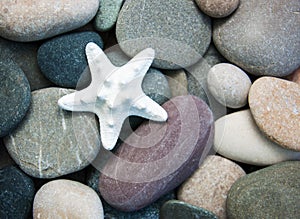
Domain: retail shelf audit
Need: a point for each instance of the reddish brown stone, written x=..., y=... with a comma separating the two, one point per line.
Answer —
x=295, y=76
x=159, y=156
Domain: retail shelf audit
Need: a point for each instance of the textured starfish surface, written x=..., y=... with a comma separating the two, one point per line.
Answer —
x=114, y=93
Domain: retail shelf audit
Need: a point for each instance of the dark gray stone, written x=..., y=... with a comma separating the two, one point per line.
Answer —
x=272, y=192
x=262, y=37
x=14, y=96
x=158, y=157
x=62, y=59
x=175, y=209
x=16, y=193
x=176, y=29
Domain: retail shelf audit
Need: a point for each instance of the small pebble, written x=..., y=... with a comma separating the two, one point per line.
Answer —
x=67, y=199
x=177, y=81
x=229, y=85
x=218, y=8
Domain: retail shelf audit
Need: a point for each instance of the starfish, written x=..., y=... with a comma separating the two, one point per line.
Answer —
x=114, y=93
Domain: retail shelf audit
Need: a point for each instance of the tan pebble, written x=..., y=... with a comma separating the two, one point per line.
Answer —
x=218, y=8
x=177, y=82
x=295, y=76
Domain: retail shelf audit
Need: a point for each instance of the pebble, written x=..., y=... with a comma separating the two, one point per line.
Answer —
x=218, y=8
x=25, y=55
x=209, y=185
x=166, y=26
x=229, y=85
x=51, y=142
x=107, y=14
x=63, y=60
x=237, y=137
x=67, y=199
x=16, y=193
x=275, y=106
x=295, y=76
x=24, y=21
x=261, y=48
x=175, y=209
x=14, y=96
x=165, y=153
x=273, y=192
x=177, y=81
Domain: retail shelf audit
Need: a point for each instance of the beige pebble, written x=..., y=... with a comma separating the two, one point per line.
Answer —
x=177, y=82
x=218, y=8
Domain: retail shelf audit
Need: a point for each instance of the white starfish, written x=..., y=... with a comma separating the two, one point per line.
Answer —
x=114, y=93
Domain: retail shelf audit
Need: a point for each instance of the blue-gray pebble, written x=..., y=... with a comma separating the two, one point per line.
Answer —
x=62, y=59
x=15, y=96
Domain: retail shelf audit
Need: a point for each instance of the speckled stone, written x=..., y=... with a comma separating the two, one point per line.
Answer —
x=63, y=60
x=218, y=8
x=237, y=137
x=295, y=76
x=166, y=26
x=30, y=21
x=67, y=199
x=210, y=183
x=261, y=48
x=107, y=14
x=273, y=192
x=51, y=142
x=275, y=106
x=175, y=209
x=158, y=157
x=14, y=96
x=25, y=55
x=177, y=81
x=229, y=85
x=16, y=193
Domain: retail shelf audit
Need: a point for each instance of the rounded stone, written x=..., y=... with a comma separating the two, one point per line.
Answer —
x=237, y=137
x=166, y=26
x=27, y=21
x=229, y=85
x=16, y=193
x=14, y=96
x=177, y=81
x=273, y=192
x=51, y=142
x=158, y=157
x=261, y=48
x=275, y=106
x=63, y=60
x=218, y=8
x=209, y=185
x=67, y=199
x=175, y=209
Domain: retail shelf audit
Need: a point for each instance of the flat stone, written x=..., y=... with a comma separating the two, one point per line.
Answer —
x=16, y=193
x=261, y=48
x=107, y=14
x=63, y=60
x=295, y=76
x=67, y=199
x=51, y=142
x=177, y=81
x=27, y=21
x=158, y=157
x=275, y=106
x=273, y=192
x=209, y=185
x=218, y=8
x=175, y=209
x=237, y=137
x=167, y=27
x=14, y=96
x=25, y=55
x=229, y=85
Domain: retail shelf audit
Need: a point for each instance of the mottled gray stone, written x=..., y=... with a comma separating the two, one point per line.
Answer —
x=178, y=31
x=158, y=157
x=14, y=96
x=218, y=8
x=262, y=37
x=273, y=192
x=175, y=209
x=51, y=142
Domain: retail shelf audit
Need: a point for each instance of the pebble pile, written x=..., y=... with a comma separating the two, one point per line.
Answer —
x=227, y=73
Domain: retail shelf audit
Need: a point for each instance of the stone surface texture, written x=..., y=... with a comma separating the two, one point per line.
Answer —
x=177, y=81
x=218, y=8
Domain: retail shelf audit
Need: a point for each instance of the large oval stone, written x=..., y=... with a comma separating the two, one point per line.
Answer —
x=158, y=156
x=261, y=37
x=275, y=106
x=24, y=20
x=273, y=192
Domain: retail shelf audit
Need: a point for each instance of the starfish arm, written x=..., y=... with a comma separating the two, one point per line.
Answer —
x=149, y=109
x=73, y=102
